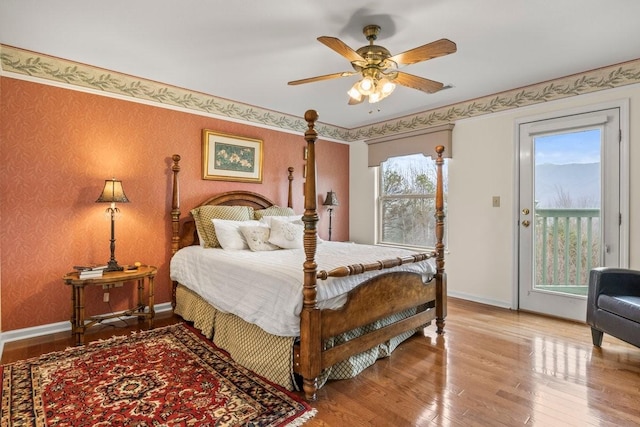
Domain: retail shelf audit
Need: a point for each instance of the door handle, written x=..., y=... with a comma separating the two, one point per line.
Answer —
x=526, y=223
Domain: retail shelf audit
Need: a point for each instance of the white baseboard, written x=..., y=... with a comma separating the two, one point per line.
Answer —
x=52, y=328
x=475, y=298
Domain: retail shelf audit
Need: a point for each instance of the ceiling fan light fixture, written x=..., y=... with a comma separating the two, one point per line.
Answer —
x=374, y=88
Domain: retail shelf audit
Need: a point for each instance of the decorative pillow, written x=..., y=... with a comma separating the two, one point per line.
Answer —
x=287, y=235
x=274, y=211
x=293, y=218
x=203, y=216
x=257, y=237
x=229, y=235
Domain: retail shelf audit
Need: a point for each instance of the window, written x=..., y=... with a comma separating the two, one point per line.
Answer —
x=406, y=201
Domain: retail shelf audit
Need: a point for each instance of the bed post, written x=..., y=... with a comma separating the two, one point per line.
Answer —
x=310, y=341
x=441, y=276
x=175, y=218
x=290, y=192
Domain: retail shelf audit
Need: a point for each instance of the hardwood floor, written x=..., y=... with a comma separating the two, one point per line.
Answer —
x=493, y=367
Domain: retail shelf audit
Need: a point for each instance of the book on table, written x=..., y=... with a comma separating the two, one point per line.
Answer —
x=90, y=274
x=89, y=271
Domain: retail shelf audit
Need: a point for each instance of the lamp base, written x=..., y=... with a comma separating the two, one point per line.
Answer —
x=112, y=265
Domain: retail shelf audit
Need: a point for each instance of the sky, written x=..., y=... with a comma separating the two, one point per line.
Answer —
x=566, y=148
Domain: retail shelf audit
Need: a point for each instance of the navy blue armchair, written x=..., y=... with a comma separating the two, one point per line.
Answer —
x=613, y=304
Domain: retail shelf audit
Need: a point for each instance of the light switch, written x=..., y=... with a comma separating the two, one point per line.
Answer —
x=496, y=201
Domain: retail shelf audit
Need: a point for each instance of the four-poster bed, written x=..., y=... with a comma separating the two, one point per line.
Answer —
x=382, y=300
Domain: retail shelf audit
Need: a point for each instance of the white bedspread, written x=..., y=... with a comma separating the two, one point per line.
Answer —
x=265, y=288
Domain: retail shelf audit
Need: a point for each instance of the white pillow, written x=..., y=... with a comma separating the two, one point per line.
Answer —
x=257, y=237
x=289, y=218
x=286, y=234
x=229, y=235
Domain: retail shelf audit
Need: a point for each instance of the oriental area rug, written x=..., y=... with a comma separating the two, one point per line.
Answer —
x=163, y=377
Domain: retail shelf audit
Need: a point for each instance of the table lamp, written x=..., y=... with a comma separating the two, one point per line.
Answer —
x=112, y=193
x=330, y=201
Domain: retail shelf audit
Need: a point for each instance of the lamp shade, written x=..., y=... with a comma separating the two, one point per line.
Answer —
x=331, y=200
x=113, y=192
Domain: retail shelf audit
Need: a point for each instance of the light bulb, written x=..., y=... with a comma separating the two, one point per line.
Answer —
x=366, y=85
x=354, y=93
x=374, y=97
x=387, y=86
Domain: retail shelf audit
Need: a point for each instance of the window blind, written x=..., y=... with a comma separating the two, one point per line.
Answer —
x=423, y=141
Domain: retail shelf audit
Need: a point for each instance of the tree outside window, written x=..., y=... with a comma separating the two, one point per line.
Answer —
x=406, y=202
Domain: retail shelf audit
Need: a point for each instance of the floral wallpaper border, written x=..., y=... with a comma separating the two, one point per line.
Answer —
x=20, y=61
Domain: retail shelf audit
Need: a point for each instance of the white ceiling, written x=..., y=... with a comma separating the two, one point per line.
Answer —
x=247, y=50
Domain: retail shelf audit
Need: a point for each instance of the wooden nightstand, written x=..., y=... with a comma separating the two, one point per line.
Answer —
x=118, y=278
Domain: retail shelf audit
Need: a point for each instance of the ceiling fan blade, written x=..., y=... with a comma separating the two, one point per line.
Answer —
x=340, y=47
x=415, y=82
x=320, y=78
x=422, y=53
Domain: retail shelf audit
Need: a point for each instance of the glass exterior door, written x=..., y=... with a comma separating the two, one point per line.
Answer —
x=568, y=209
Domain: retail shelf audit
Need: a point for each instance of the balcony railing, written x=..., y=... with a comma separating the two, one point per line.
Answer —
x=567, y=247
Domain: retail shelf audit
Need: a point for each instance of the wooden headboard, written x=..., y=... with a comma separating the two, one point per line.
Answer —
x=185, y=234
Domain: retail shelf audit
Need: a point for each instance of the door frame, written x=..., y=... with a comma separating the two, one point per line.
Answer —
x=623, y=106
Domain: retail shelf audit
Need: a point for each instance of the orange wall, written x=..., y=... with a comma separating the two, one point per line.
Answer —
x=57, y=148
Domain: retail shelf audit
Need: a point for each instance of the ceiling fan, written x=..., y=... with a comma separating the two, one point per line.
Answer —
x=379, y=69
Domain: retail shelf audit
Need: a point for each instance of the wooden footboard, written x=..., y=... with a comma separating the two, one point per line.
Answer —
x=374, y=300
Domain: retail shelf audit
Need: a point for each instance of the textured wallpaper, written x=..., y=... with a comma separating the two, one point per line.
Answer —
x=57, y=148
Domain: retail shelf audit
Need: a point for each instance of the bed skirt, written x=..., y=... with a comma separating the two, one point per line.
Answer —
x=271, y=356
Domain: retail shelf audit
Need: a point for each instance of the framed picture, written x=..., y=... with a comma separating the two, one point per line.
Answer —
x=231, y=158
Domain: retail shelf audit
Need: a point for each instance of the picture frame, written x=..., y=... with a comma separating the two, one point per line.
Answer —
x=231, y=158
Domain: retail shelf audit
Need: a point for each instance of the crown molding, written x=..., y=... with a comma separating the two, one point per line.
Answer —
x=40, y=66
